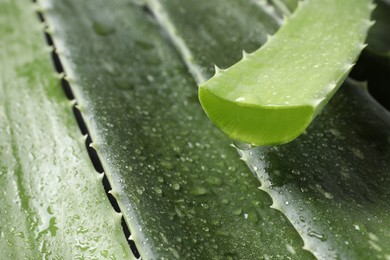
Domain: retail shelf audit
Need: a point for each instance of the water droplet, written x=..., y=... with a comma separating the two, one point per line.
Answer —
x=357, y=153
x=252, y=216
x=225, y=201
x=174, y=252
x=140, y=190
x=372, y=236
x=335, y=132
x=166, y=164
x=242, y=146
x=317, y=235
x=150, y=78
x=328, y=195
x=290, y=249
x=144, y=45
x=296, y=172
x=198, y=191
x=214, y=180
x=205, y=205
x=175, y=186
x=237, y=211
x=158, y=191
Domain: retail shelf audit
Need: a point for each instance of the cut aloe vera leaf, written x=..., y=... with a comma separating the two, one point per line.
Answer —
x=52, y=201
x=332, y=183
x=181, y=188
x=273, y=94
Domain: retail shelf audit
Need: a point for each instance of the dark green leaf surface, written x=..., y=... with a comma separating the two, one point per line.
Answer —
x=374, y=63
x=213, y=29
x=379, y=37
x=182, y=189
x=285, y=6
x=375, y=69
x=52, y=202
x=225, y=38
x=332, y=182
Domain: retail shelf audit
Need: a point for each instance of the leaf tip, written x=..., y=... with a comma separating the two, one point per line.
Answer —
x=372, y=6
x=100, y=176
x=218, y=71
x=114, y=193
x=276, y=206
x=244, y=55
x=93, y=145
x=269, y=37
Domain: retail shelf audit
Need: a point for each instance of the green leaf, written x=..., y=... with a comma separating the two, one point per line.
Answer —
x=273, y=94
x=330, y=182
x=286, y=7
x=374, y=63
x=229, y=31
x=183, y=191
x=375, y=69
x=44, y=168
x=378, y=38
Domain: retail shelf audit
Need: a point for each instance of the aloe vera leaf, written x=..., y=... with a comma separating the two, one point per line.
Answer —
x=52, y=203
x=378, y=38
x=230, y=25
x=375, y=69
x=273, y=94
x=182, y=190
x=286, y=7
x=374, y=63
x=329, y=154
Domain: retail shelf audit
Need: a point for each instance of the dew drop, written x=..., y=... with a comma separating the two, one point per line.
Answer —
x=237, y=211
x=242, y=146
x=317, y=235
x=199, y=191
x=175, y=186
x=166, y=164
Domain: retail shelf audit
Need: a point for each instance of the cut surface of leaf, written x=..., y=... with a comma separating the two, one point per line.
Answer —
x=182, y=189
x=52, y=201
x=272, y=95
